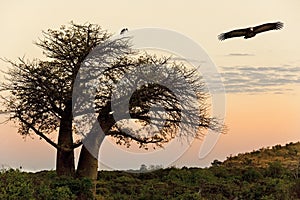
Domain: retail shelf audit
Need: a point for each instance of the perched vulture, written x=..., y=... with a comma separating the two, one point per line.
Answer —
x=123, y=30
x=251, y=31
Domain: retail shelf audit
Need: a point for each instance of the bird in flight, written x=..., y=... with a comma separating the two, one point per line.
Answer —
x=123, y=30
x=251, y=31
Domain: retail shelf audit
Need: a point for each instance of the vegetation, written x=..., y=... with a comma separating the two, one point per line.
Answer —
x=272, y=173
x=17, y=185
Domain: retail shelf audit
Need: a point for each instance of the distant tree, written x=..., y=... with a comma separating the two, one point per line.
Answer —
x=40, y=95
x=155, y=167
x=216, y=163
x=143, y=168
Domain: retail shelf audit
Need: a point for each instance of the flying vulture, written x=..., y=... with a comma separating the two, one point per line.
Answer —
x=251, y=31
x=123, y=30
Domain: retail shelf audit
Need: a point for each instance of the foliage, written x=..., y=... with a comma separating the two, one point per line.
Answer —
x=40, y=90
x=274, y=181
x=17, y=185
x=287, y=155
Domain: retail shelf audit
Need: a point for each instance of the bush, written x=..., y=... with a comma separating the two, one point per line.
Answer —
x=251, y=175
x=275, y=170
x=16, y=185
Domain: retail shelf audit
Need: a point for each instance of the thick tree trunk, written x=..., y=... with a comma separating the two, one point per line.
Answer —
x=87, y=164
x=65, y=154
x=88, y=159
x=87, y=167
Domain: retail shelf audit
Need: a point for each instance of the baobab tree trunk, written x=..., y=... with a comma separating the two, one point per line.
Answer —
x=88, y=159
x=65, y=153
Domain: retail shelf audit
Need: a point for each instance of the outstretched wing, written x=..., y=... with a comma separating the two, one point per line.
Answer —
x=267, y=27
x=234, y=33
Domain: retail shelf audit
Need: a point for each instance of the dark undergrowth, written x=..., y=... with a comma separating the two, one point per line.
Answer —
x=270, y=173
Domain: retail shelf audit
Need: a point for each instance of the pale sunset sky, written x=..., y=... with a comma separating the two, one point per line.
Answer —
x=261, y=75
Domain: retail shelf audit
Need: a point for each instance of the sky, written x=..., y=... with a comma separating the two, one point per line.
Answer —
x=261, y=75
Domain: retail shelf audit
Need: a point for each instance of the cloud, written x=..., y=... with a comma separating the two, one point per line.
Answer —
x=247, y=79
x=240, y=54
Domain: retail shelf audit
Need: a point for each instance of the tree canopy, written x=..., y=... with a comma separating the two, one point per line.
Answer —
x=40, y=90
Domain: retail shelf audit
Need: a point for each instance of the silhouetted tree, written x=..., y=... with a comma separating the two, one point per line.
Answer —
x=40, y=95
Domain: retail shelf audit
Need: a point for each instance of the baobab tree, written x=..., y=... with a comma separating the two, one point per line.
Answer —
x=41, y=95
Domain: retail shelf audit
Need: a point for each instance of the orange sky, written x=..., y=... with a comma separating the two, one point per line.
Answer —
x=264, y=120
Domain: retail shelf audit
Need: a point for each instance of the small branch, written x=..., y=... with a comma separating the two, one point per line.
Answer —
x=139, y=140
x=77, y=144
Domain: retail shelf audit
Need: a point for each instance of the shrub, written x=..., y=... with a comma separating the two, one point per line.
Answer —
x=251, y=175
x=15, y=185
x=275, y=170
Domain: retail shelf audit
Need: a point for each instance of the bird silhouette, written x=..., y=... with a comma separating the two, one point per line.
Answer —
x=251, y=31
x=123, y=31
